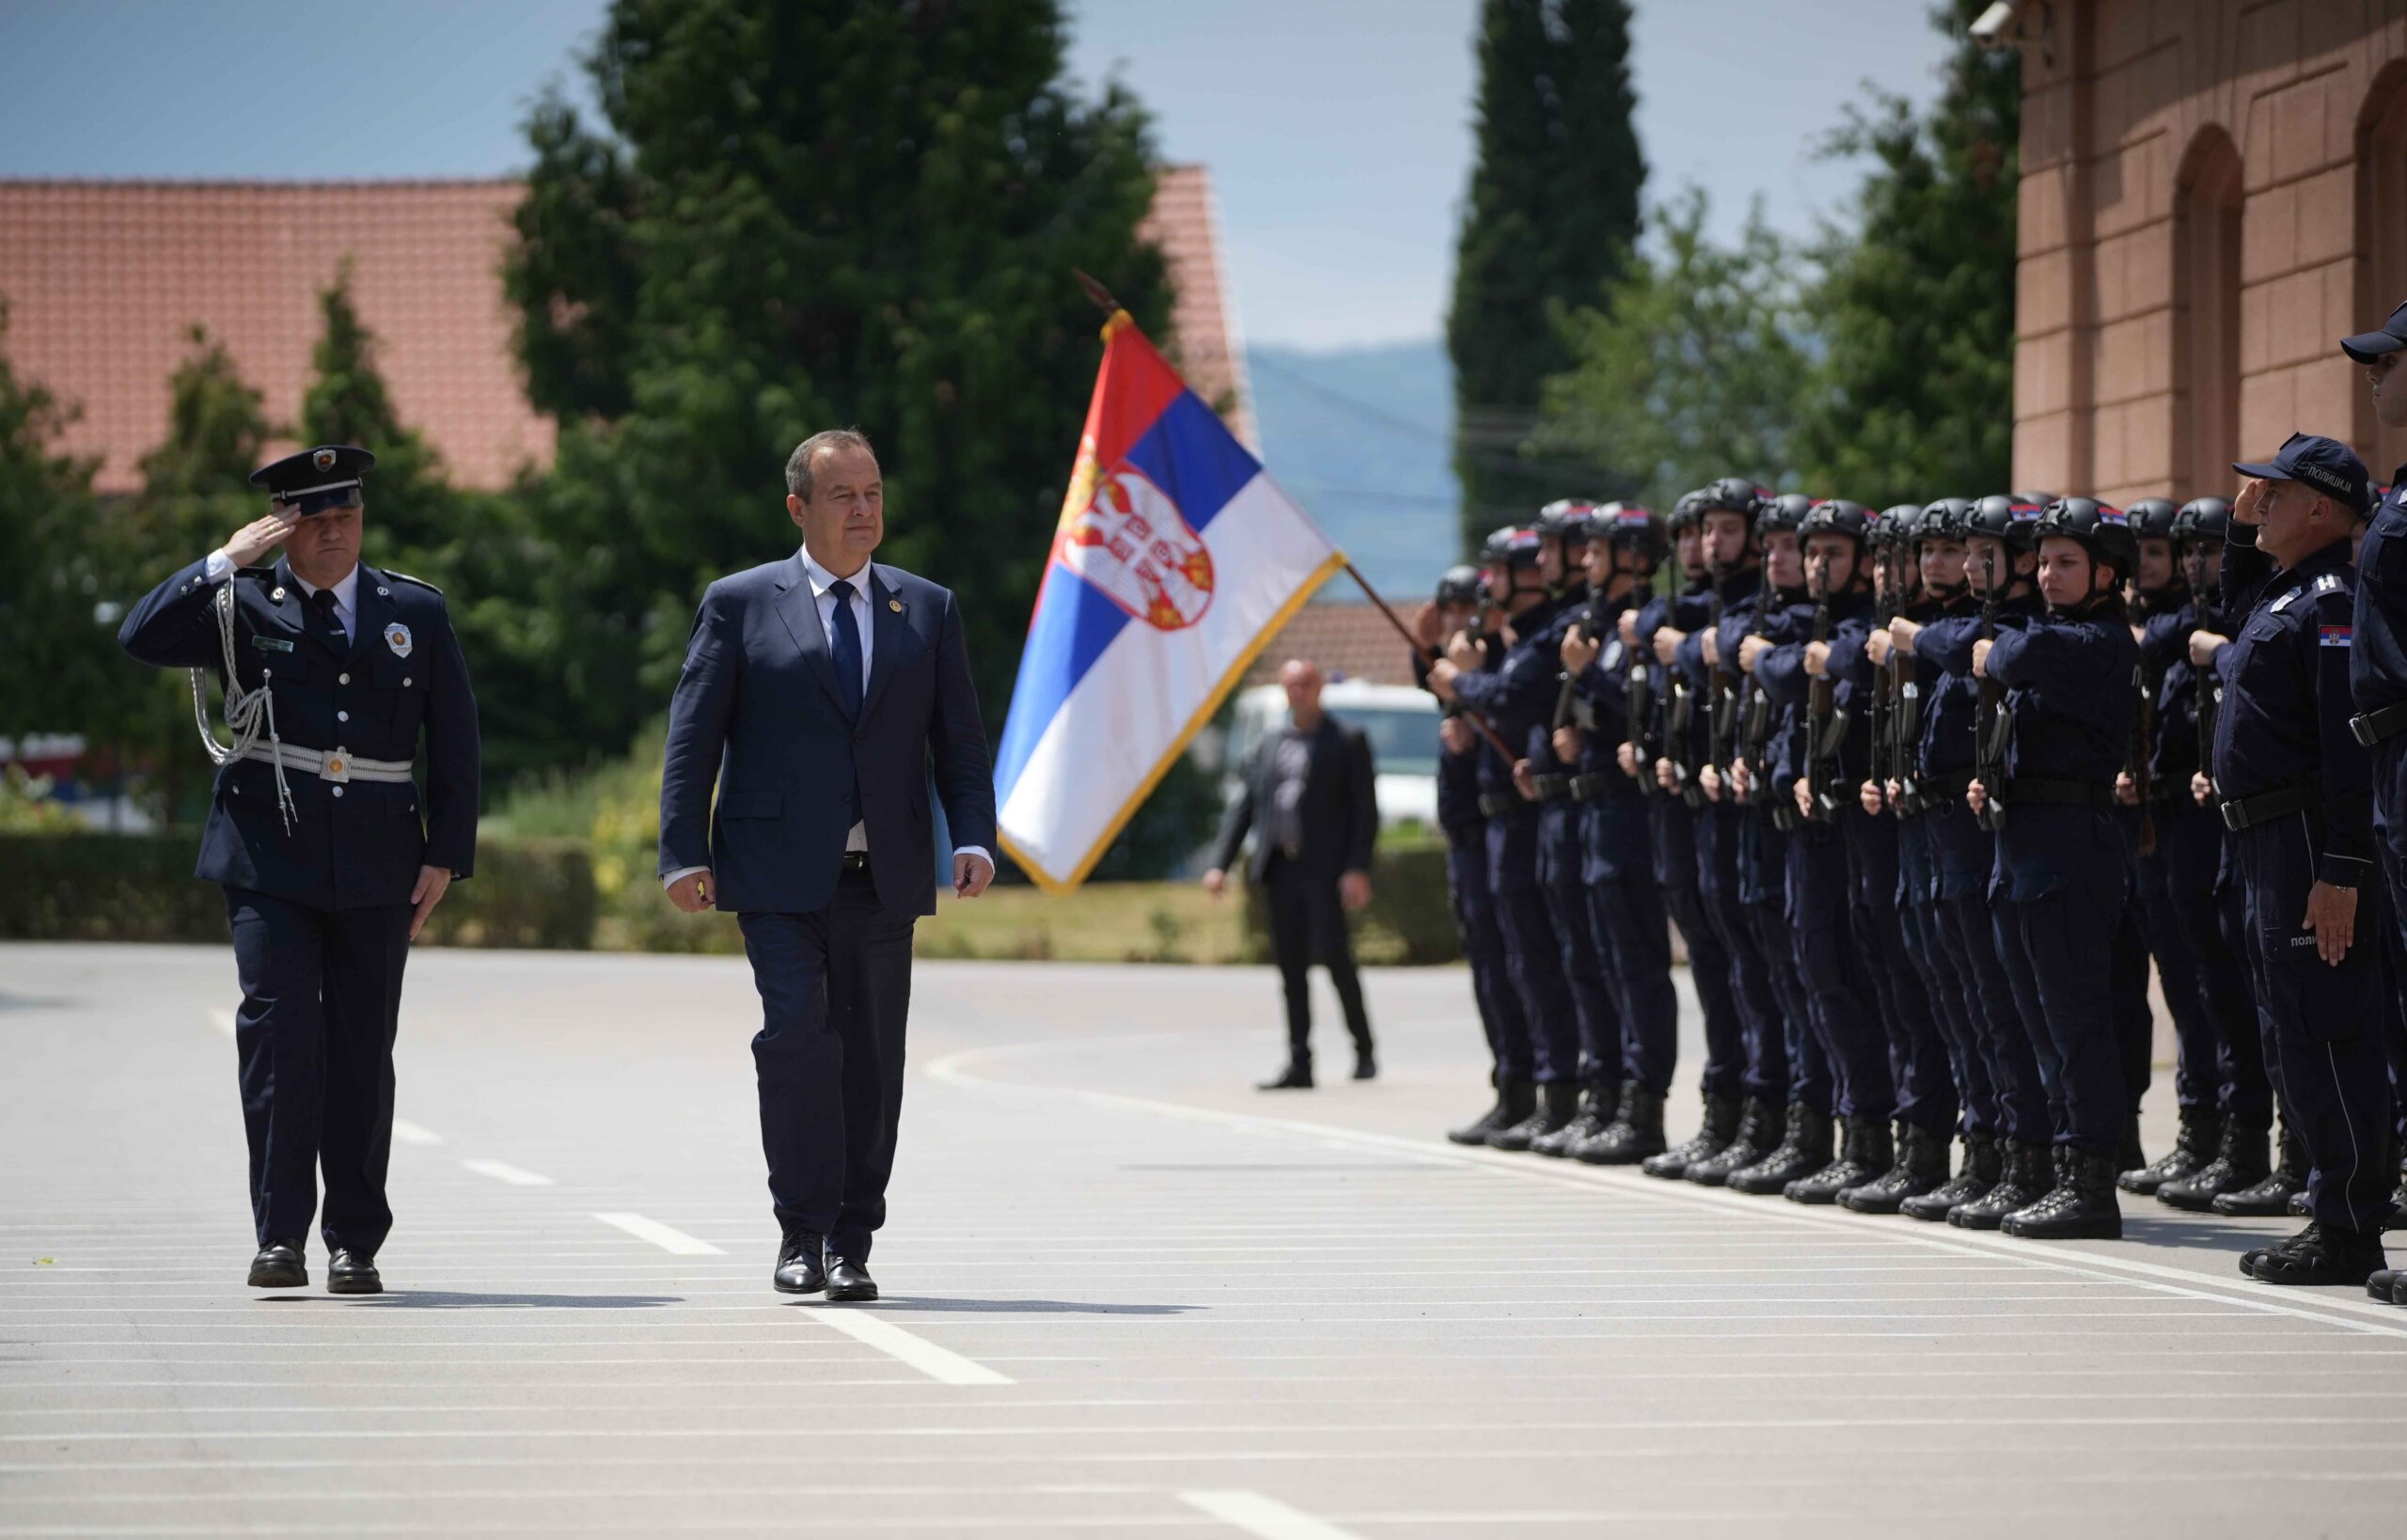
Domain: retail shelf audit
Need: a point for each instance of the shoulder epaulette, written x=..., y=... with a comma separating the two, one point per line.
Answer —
x=255, y=571
x=2285, y=601
x=404, y=577
x=2328, y=583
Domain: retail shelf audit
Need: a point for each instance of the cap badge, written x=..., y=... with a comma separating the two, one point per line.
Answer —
x=324, y=459
x=396, y=636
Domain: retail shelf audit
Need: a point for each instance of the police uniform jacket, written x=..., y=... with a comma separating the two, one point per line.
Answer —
x=401, y=682
x=2165, y=655
x=2287, y=704
x=1519, y=691
x=1458, y=775
x=2378, y=654
x=2069, y=688
x=1782, y=673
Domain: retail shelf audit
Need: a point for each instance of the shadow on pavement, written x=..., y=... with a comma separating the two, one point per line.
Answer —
x=901, y=1303
x=446, y=1299
x=2205, y=1233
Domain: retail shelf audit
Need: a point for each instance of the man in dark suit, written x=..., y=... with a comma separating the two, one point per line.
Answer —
x=331, y=859
x=1309, y=799
x=818, y=694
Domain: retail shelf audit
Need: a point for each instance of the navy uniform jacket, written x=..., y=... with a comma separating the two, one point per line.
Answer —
x=2378, y=654
x=1782, y=672
x=354, y=845
x=2164, y=651
x=2287, y=705
x=1603, y=693
x=1518, y=692
x=2069, y=677
x=1457, y=774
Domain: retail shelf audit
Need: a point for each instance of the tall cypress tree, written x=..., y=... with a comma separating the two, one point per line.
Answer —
x=60, y=654
x=347, y=402
x=1553, y=211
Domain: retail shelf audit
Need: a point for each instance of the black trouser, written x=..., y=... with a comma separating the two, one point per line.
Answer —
x=2225, y=1068
x=1492, y=985
x=1673, y=826
x=835, y=995
x=1839, y=1001
x=2059, y=947
x=322, y=998
x=1626, y=917
x=1587, y=967
x=1308, y=926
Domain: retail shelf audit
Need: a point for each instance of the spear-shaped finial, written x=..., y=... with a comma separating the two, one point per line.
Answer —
x=1095, y=291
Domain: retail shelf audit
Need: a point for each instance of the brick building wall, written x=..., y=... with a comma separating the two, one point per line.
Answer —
x=2214, y=193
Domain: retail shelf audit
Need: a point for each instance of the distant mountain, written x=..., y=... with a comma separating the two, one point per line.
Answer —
x=1362, y=438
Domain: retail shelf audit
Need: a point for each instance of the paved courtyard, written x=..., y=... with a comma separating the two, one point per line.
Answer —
x=1124, y=1294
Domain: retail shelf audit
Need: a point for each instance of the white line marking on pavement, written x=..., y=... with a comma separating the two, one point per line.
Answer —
x=503, y=1171
x=938, y=1363
x=414, y=1133
x=673, y=1241
x=1268, y=1517
x=223, y=1021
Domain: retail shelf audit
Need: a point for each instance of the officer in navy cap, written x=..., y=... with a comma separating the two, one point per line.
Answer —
x=330, y=854
x=2297, y=785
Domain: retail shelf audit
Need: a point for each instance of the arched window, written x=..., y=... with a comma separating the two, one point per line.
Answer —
x=2206, y=318
x=2382, y=242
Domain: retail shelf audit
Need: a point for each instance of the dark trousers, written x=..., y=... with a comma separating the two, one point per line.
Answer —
x=1586, y=967
x=1762, y=1024
x=2177, y=965
x=1492, y=985
x=1919, y=1073
x=2135, y=1019
x=1951, y=1009
x=321, y=999
x=835, y=993
x=1531, y=954
x=1308, y=926
x=1673, y=825
x=2059, y=947
x=1627, y=919
x=2323, y=1023
x=2223, y=1066
x=1839, y=999
x=1964, y=853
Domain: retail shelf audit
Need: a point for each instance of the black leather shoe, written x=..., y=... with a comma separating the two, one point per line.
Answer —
x=848, y=1282
x=2318, y=1254
x=1864, y=1154
x=1975, y=1175
x=1803, y=1149
x=353, y=1272
x=2080, y=1206
x=1598, y=1101
x=1635, y=1133
x=1514, y=1099
x=2023, y=1179
x=1366, y=1064
x=1297, y=1076
x=1921, y=1166
x=1558, y=1103
x=280, y=1265
x=1759, y=1132
x=2239, y=1162
x=2201, y=1135
x=2270, y=1197
x=1720, y=1126
x=801, y=1269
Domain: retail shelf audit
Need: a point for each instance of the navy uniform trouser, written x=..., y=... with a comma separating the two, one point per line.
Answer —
x=1918, y=912
x=2177, y=963
x=1922, y=1080
x=2390, y=857
x=1839, y=999
x=1970, y=930
x=1492, y=987
x=2134, y=1018
x=2222, y=1056
x=1626, y=920
x=2323, y=1023
x=321, y=999
x=1587, y=968
x=1533, y=957
x=2059, y=947
x=1674, y=824
x=1792, y=1054
x=1764, y=1066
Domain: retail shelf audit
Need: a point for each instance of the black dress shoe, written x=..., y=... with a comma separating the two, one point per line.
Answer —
x=1297, y=1076
x=1366, y=1065
x=801, y=1269
x=353, y=1272
x=848, y=1282
x=279, y=1266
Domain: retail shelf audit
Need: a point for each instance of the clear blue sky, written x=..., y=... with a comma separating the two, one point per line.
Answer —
x=1338, y=131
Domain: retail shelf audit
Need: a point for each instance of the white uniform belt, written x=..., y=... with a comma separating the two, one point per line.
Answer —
x=334, y=764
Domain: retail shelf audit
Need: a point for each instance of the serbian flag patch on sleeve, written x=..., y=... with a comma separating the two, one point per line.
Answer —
x=2333, y=635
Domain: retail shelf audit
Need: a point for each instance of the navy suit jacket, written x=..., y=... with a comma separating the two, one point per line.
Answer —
x=757, y=715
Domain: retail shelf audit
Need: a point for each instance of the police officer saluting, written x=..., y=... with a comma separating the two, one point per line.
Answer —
x=330, y=857
x=2298, y=787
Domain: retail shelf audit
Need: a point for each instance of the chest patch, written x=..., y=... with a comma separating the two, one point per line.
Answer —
x=271, y=644
x=396, y=636
x=2284, y=602
x=2333, y=635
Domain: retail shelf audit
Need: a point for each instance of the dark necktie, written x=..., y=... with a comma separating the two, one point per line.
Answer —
x=847, y=649
x=330, y=623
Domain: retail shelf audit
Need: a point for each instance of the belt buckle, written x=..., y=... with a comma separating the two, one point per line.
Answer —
x=2361, y=728
x=2235, y=817
x=335, y=766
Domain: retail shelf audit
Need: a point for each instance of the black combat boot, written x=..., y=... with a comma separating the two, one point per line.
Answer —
x=1921, y=1166
x=2193, y=1150
x=1635, y=1133
x=1975, y=1176
x=2271, y=1197
x=1719, y=1125
x=2320, y=1253
x=1514, y=1099
x=1598, y=1101
x=2024, y=1176
x=2080, y=1206
x=2239, y=1162
x=1804, y=1149
x=1865, y=1152
x=1759, y=1130
x=1558, y=1103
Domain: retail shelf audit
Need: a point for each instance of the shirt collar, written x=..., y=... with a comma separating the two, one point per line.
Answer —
x=821, y=579
x=346, y=591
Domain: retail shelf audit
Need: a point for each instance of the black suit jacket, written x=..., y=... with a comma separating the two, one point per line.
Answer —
x=1341, y=809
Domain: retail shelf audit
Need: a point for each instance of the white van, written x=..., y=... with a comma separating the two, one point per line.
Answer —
x=1400, y=721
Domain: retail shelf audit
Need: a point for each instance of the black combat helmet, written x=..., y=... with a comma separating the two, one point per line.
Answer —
x=2104, y=532
x=1572, y=519
x=1786, y=511
x=2011, y=518
x=1944, y=519
x=1458, y=585
x=1732, y=494
x=1837, y=516
x=2202, y=519
x=2153, y=518
x=1634, y=530
x=1688, y=512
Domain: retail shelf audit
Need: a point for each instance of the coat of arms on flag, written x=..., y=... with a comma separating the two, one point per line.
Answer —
x=1175, y=562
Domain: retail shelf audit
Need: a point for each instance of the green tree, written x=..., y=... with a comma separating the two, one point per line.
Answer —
x=1553, y=211
x=1693, y=369
x=54, y=627
x=1914, y=397
x=347, y=402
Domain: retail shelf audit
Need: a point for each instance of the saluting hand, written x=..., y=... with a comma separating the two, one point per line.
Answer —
x=257, y=538
x=2332, y=915
x=433, y=883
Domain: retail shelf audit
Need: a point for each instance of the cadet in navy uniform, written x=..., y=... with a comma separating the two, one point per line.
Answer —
x=2378, y=664
x=2298, y=787
x=330, y=857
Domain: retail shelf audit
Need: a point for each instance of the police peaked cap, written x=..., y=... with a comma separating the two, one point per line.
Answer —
x=2328, y=465
x=2153, y=518
x=329, y=476
x=2104, y=531
x=2202, y=518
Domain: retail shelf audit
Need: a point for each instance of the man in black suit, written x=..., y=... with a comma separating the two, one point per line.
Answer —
x=819, y=693
x=1309, y=799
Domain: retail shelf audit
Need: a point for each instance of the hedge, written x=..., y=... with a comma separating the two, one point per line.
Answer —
x=1409, y=920
x=140, y=888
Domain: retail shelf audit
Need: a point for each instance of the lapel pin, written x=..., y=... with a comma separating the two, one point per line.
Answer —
x=277, y=596
x=895, y=604
x=383, y=594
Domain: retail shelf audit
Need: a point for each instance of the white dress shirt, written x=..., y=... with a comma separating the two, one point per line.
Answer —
x=221, y=566
x=821, y=582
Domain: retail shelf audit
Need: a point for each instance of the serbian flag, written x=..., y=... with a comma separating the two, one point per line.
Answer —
x=1176, y=560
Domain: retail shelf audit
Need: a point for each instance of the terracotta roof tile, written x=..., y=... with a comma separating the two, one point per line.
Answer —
x=1184, y=222
x=1352, y=639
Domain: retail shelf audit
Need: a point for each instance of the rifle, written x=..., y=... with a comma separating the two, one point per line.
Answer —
x=1755, y=739
x=1825, y=724
x=1637, y=690
x=1995, y=724
x=2208, y=699
x=1593, y=624
x=2143, y=739
x=1884, y=714
x=1721, y=705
